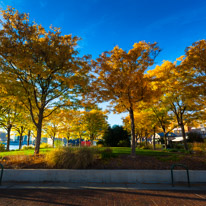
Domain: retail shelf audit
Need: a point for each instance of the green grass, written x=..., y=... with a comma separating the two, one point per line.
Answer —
x=23, y=152
x=145, y=152
x=163, y=154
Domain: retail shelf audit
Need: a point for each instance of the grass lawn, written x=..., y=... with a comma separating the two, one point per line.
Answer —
x=160, y=154
x=121, y=159
x=145, y=152
x=23, y=152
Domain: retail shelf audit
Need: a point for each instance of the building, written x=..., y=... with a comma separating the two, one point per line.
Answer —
x=159, y=137
x=200, y=129
x=3, y=137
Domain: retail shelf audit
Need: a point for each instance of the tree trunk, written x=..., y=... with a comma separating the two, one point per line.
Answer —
x=154, y=140
x=68, y=136
x=38, y=138
x=28, y=137
x=80, y=141
x=140, y=136
x=132, y=132
x=136, y=136
x=165, y=140
x=20, y=141
x=92, y=139
x=39, y=130
x=184, y=136
x=146, y=138
x=53, y=138
x=8, y=136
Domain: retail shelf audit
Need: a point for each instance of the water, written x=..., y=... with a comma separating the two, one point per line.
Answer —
x=15, y=145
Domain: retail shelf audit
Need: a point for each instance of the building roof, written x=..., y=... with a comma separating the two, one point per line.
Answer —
x=170, y=134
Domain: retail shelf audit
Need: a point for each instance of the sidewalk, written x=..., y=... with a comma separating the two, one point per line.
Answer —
x=53, y=194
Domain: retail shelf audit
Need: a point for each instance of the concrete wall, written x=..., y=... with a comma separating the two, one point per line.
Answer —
x=101, y=176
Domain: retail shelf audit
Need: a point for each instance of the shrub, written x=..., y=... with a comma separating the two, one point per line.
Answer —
x=58, y=143
x=2, y=148
x=25, y=147
x=158, y=146
x=123, y=143
x=106, y=153
x=45, y=145
x=71, y=158
x=199, y=147
x=143, y=145
x=178, y=146
x=23, y=161
x=100, y=142
x=100, y=145
x=173, y=150
x=194, y=137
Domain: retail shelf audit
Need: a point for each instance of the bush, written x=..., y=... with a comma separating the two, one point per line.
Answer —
x=71, y=158
x=58, y=143
x=23, y=161
x=178, y=146
x=158, y=146
x=173, y=150
x=199, y=147
x=45, y=145
x=25, y=147
x=194, y=137
x=123, y=143
x=143, y=145
x=100, y=142
x=2, y=148
x=107, y=153
x=100, y=145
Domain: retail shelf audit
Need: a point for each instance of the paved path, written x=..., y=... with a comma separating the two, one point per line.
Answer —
x=86, y=197
x=101, y=194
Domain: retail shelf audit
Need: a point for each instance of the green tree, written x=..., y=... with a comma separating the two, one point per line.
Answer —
x=114, y=135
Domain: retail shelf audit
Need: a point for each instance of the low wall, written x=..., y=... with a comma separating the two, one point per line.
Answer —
x=101, y=176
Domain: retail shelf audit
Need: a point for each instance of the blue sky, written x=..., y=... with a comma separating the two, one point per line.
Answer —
x=102, y=24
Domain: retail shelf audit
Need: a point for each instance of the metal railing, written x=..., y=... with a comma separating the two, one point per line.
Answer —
x=180, y=165
x=2, y=170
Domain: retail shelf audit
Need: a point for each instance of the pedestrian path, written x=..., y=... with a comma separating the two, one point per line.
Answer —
x=100, y=194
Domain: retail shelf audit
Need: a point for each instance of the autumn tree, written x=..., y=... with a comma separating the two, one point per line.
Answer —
x=78, y=130
x=9, y=112
x=176, y=95
x=66, y=125
x=42, y=66
x=21, y=125
x=95, y=123
x=194, y=68
x=52, y=125
x=120, y=78
x=144, y=124
x=164, y=120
